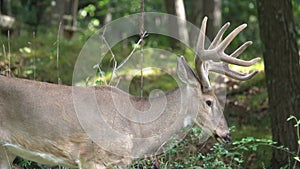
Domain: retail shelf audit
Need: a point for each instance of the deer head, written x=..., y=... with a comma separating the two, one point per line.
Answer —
x=210, y=115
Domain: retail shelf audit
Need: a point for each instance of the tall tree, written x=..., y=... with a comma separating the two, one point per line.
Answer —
x=176, y=7
x=170, y=8
x=180, y=12
x=281, y=58
x=5, y=7
x=210, y=8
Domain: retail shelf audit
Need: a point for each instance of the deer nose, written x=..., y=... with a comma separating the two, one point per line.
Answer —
x=227, y=138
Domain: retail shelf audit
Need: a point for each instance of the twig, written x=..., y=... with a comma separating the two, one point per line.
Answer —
x=34, y=58
x=57, y=53
x=5, y=56
x=135, y=47
x=9, y=53
x=100, y=72
x=298, y=150
x=142, y=46
x=115, y=63
x=116, y=67
x=298, y=137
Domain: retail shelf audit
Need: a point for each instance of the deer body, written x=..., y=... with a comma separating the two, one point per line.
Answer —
x=38, y=121
x=40, y=117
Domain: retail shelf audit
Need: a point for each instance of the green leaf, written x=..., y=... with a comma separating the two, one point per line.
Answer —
x=297, y=124
x=254, y=148
x=96, y=66
x=238, y=160
x=136, y=46
x=98, y=82
x=291, y=117
x=297, y=158
x=101, y=73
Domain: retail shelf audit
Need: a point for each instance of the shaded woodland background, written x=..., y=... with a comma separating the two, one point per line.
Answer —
x=41, y=40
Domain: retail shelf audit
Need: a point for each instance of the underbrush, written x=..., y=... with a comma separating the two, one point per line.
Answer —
x=240, y=154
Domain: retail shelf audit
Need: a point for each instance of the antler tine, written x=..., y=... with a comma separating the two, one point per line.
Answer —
x=231, y=36
x=241, y=49
x=201, y=70
x=202, y=33
x=219, y=36
x=214, y=58
x=232, y=58
x=235, y=75
x=223, y=68
x=240, y=62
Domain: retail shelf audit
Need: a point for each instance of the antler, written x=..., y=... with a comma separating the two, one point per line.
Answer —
x=216, y=60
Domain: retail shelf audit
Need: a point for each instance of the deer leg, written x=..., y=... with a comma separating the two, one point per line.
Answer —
x=6, y=158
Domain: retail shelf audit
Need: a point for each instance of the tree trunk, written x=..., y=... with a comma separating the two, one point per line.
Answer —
x=195, y=15
x=281, y=60
x=6, y=7
x=213, y=10
x=170, y=7
x=55, y=15
x=210, y=8
x=180, y=12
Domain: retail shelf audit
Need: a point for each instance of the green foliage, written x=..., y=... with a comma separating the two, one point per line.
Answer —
x=25, y=163
x=190, y=154
x=94, y=13
x=297, y=126
x=29, y=13
x=238, y=12
x=296, y=8
x=36, y=58
x=100, y=76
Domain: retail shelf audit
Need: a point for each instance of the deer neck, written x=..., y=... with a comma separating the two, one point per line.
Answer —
x=145, y=124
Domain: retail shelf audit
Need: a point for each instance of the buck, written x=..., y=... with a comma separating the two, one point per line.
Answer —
x=38, y=120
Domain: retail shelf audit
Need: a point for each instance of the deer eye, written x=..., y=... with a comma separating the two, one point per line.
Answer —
x=208, y=102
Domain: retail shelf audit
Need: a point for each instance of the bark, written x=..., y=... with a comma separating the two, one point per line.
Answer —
x=212, y=9
x=75, y=11
x=64, y=12
x=59, y=10
x=281, y=60
x=195, y=16
x=170, y=7
x=6, y=7
x=180, y=12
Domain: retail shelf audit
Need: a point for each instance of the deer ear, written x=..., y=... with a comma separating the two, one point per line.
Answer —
x=185, y=72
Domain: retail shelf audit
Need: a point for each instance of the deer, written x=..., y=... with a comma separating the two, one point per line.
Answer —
x=38, y=120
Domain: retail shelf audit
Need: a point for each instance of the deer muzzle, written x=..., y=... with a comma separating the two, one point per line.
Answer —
x=224, y=139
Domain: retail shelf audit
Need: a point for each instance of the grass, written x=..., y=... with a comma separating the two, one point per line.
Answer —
x=33, y=58
x=262, y=156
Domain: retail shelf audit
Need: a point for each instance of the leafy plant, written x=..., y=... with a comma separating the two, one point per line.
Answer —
x=190, y=154
x=25, y=163
x=296, y=157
